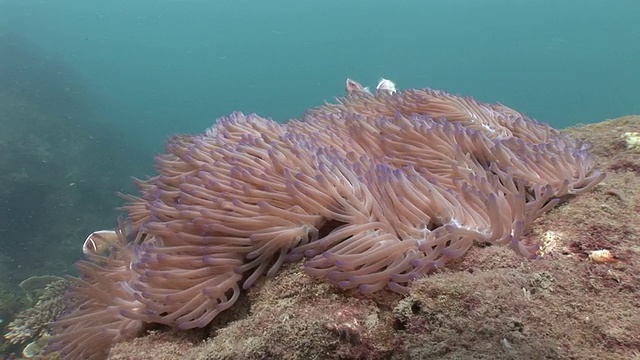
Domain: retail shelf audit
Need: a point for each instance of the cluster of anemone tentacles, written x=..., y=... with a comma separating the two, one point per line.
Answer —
x=374, y=191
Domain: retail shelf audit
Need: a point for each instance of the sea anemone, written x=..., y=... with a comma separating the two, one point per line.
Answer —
x=375, y=191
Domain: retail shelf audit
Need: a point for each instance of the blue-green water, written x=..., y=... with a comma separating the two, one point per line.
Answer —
x=94, y=87
x=158, y=67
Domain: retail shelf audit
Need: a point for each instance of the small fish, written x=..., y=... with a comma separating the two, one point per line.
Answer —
x=352, y=86
x=385, y=85
x=99, y=241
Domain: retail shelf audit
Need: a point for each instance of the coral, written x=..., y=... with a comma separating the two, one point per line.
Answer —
x=31, y=324
x=34, y=286
x=377, y=190
x=35, y=347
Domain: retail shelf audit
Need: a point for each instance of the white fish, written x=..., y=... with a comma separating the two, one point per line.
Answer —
x=385, y=85
x=351, y=86
x=99, y=241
